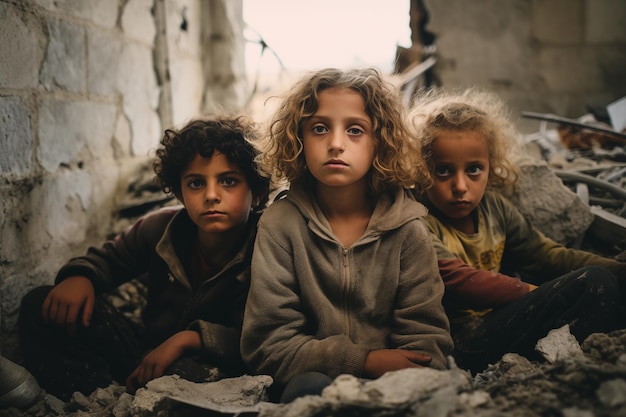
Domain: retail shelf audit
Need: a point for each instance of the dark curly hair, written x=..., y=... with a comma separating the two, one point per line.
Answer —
x=233, y=136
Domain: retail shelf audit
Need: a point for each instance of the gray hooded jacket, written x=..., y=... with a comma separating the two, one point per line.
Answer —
x=315, y=305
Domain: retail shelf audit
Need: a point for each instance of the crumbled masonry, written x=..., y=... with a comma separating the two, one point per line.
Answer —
x=587, y=380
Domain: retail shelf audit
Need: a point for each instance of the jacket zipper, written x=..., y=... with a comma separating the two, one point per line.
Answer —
x=346, y=271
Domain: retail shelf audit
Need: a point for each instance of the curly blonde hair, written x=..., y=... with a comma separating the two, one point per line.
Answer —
x=479, y=111
x=395, y=155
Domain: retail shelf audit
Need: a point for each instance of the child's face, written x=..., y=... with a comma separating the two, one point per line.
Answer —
x=215, y=193
x=461, y=161
x=338, y=142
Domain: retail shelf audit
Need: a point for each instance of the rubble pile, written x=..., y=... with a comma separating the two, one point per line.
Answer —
x=574, y=381
x=589, y=157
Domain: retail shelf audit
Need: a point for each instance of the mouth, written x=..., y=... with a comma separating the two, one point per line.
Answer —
x=336, y=162
x=212, y=213
x=461, y=203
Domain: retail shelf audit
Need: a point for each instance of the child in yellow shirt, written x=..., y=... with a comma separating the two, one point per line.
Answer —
x=466, y=141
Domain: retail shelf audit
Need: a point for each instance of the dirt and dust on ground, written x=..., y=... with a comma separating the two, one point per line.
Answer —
x=575, y=381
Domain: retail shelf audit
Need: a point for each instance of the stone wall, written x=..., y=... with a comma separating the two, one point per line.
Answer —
x=547, y=56
x=86, y=88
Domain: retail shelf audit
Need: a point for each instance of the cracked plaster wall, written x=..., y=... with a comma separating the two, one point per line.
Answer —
x=86, y=88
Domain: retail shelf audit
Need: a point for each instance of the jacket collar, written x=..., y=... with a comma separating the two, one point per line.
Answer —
x=392, y=210
x=174, y=247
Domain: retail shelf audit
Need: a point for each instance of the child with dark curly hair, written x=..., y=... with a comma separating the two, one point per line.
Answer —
x=195, y=261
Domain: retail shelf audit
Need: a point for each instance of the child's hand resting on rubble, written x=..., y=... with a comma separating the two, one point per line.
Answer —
x=69, y=303
x=384, y=360
x=154, y=364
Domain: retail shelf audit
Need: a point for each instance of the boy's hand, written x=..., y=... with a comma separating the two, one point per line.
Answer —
x=384, y=360
x=69, y=299
x=154, y=364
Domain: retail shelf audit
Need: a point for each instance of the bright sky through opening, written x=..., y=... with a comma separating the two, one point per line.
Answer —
x=309, y=35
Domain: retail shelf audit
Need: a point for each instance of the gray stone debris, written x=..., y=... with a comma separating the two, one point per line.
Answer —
x=551, y=207
x=586, y=384
x=395, y=388
x=559, y=344
x=612, y=393
x=229, y=395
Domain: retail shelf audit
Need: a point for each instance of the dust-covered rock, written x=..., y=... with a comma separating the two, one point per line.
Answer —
x=589, y=384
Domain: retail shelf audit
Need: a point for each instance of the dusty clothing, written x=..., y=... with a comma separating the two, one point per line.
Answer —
x=471, y=266
x=109, y=349
x=315, y=305
x=160, y=249
x=160, y=245
x=505, y=241
x=587, y=299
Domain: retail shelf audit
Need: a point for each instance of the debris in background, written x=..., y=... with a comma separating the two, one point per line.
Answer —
x=585, y=133
x=617, y=114
x=589, y=156
x=142, y=196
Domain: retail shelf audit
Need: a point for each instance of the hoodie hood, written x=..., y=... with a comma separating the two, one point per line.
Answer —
x=392, y=210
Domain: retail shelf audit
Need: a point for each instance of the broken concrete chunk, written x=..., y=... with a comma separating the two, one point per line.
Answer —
x=547, y=203
x=229, y=395
x=559, y=344
x=345, y=388
x=396, y=387
x=474, y=399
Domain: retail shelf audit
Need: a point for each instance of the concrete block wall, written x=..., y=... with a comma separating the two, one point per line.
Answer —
x=547, y=56
x=86, y=89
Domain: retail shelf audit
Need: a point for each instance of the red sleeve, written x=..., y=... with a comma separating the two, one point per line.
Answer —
x=471, y=288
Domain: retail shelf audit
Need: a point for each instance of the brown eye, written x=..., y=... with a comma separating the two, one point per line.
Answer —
x=319, y=129
x=230, y=182
x=195, y=184
x=442, y=171
x=474, y=170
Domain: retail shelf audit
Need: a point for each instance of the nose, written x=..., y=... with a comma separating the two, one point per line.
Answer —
x=212, y=194
x=459, y=184
x=336, y=142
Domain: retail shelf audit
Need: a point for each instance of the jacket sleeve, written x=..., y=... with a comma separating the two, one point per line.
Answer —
x=219, y=343
x=420, y=322
x=531, y=251
x=122, y=258
x=471, y=288
x=277, y=336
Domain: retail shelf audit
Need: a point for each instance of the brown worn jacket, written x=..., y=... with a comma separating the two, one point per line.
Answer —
x=158, y=249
